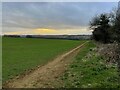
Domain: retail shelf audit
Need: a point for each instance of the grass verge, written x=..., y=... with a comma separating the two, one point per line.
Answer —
x=89, y=70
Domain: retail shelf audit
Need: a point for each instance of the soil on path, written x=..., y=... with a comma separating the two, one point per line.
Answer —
x=47, y=75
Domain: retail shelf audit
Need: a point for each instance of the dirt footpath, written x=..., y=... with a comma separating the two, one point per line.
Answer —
x=45, y=76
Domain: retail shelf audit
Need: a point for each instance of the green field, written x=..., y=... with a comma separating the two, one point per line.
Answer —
x=20, y=54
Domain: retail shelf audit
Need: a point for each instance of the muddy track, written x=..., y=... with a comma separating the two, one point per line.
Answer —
x=45, y=76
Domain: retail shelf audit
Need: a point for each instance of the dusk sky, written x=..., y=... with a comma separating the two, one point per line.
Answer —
x=51, y=18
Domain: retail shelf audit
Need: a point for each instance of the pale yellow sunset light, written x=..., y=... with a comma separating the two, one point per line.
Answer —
x=43, y=31
x=48, y=31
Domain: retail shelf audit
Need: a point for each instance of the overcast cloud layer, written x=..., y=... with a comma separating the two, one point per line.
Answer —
x=59, y=16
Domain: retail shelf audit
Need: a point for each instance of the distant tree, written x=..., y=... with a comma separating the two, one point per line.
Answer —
x=28, y=36
x=100, y=25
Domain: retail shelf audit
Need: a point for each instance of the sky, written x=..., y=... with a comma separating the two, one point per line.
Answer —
x=51, y=18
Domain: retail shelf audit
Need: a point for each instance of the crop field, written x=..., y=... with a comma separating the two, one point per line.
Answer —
x=21, y=54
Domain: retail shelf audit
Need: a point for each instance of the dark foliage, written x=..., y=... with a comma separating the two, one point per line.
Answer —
x=100, y=26
x=117, y=27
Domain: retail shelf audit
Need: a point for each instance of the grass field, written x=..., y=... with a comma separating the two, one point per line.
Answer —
x=20, y=54
x=89, y=70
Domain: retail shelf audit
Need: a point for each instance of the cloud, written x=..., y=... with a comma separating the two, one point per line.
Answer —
x=25, y=16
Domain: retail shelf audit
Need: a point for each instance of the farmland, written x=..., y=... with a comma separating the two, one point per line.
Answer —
x=62, y=65
x=21, y=54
